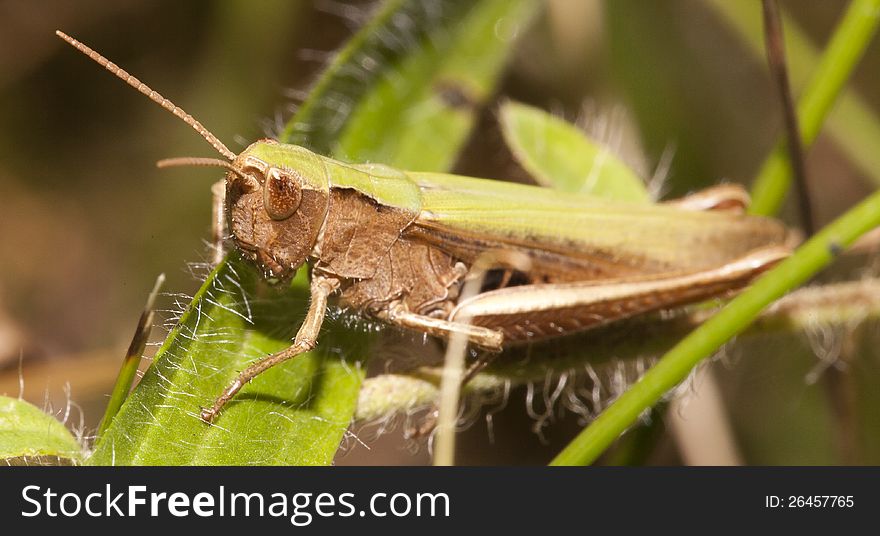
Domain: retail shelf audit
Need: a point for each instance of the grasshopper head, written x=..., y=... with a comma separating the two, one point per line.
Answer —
x=276, y=195
x=276, y=201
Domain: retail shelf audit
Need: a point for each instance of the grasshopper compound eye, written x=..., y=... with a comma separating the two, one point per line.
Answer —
x=282, y=193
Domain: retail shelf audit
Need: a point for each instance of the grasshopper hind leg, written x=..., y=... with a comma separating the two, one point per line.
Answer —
x=531, y=313
x=486, y=338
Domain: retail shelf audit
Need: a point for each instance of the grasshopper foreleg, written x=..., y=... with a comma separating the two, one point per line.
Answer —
x=306, y=339
x=218, y=220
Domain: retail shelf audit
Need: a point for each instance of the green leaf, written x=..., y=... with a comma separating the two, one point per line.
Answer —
x=559, y=155
x=27, y=432
x=383, y=95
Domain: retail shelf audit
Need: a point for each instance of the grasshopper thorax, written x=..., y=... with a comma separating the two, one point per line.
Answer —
x=276, y=202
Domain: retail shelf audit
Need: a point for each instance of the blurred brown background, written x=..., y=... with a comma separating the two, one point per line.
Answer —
x=87, y=222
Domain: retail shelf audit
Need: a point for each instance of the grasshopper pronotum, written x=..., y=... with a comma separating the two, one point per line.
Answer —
x=396, y=245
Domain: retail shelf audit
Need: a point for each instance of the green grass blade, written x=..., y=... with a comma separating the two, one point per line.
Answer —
x=559, y=155
x=433, y=94
x=850, y=39
x=298, y=412
x=675, y=366
x=852, y=123
x=131, y=361
x=27, y=432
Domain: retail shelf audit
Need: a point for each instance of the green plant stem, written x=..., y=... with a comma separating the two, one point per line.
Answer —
x=847, y=45
x=636, y=446
x=675, y=366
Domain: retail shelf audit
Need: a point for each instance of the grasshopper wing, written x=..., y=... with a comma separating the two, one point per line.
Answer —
x=576, y=238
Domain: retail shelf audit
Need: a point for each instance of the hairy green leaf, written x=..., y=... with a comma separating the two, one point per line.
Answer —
x=559, y=155
x=27, y=432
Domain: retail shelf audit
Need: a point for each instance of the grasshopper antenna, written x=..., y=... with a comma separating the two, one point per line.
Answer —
x=197, y=161
x=152, y=95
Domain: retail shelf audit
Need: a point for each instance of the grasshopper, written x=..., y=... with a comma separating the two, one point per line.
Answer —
x=397, y=245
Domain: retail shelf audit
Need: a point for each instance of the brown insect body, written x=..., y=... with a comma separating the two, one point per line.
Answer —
x=372, y=237
x=397, y=245
x=387, y=259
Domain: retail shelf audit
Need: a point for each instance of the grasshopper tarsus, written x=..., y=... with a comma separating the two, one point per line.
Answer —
x=209, y=414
